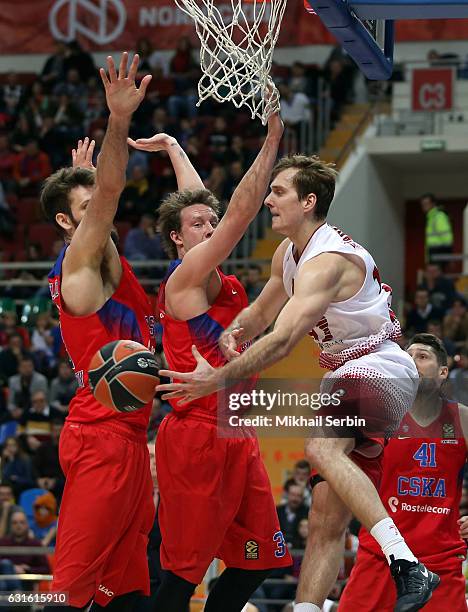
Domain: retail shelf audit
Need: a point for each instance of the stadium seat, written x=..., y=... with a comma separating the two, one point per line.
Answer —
x=45, y=234
x=32, y=308
x=26, y=501
x=27, y=210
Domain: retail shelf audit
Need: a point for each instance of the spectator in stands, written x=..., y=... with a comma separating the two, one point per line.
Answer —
x=299, y=544
x=235, y=174
x=45, y=343
x=219, y=139
x=300, y=477
x=142, y=242
x=439, y=234
x=37, y=421
x=339, y=75
x=254, y=284
x=44, y=525
x=295, y=110
x=31, y=168
x=7, y=164
x=49, y=475
x=7, y=507
x=76, y=57
x=16, y=466
x=216, y=181
x=24, y=563
x=135, y=197
x=149, y=58
x=12, y=93
x=63, y=387
x=239, y=152
x=293, y=511
x=23, y=133
x=185, y=70
x=9, y=325
x=73, y=88
x=52, y=142
x=7, y=219
x=22, y=387
x=421, y=313
x=459, y=378
x=68, y=118
x=38, y=105
x=441, y=288
x=53, y=70
x=11, y=357
x=456, y=322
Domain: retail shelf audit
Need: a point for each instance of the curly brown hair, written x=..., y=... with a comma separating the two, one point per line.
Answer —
x=313, y=176
x=172, y=206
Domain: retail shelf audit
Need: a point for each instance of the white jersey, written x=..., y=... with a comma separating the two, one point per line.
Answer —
x=355, y=327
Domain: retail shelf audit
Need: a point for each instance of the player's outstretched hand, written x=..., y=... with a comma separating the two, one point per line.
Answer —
x=202, y=381
x=82, y=156
x=158, y=142
x=229, y=341
x=122, y=95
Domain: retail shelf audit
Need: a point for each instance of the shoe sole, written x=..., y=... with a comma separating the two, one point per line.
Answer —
x=434, y=583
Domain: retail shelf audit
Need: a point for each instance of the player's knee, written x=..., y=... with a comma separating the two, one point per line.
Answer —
x=326, y=525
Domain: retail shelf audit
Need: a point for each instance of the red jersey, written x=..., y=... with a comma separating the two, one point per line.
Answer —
x=127, y=315
x=421, y=486
x=202, y=331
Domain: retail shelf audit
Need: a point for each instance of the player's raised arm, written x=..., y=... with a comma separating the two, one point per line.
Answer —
x=316, y=287
x=257, y=317
x=186, y=175
x=123, y=98
x=245, y=203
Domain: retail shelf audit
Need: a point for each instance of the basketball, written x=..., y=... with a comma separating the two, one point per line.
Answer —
x=123, y=375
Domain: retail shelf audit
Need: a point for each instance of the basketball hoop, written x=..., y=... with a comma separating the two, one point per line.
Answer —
x=237, y=51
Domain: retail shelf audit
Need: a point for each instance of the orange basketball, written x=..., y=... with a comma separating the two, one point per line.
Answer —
x=123, y=375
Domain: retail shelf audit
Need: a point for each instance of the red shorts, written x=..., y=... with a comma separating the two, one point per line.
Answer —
x=371, y=587
x=215, y=501
x=106, y=514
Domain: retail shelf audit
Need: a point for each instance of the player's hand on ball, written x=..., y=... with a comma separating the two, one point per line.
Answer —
x=82, y=156
x=229, y=341
x=192, y=385
x=158, y=142
x=122, y=95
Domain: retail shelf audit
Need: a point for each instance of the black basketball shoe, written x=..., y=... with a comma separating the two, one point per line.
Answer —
x=414, y=583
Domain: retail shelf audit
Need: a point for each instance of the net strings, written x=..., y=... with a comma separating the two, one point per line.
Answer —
x=237, y=52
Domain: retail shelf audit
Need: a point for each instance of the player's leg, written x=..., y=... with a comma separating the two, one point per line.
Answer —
x=174, y=594
x=93, y=541
x=329, y=457
x=253, y=545
x=234, y=588
x=328, y=520
x=196, y=505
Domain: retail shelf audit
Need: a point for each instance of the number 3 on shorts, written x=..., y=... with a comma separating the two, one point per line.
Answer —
x=280, y=544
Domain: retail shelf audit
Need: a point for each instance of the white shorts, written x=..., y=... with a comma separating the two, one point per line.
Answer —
x=385, y=386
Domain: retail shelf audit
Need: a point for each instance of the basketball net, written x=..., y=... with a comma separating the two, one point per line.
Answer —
x=236, y=52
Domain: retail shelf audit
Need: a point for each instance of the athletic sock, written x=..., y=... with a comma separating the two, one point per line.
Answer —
x=391, y=541
x=306, y=607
